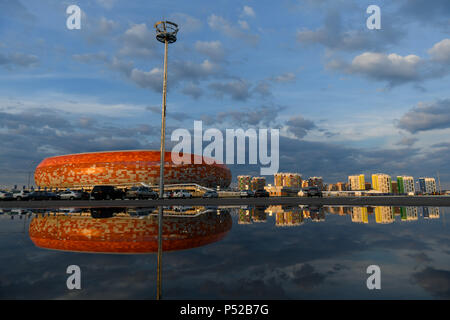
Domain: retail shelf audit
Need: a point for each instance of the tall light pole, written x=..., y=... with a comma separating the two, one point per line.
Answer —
x=166, y=32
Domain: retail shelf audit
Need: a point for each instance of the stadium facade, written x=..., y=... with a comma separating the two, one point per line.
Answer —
x=118, y=168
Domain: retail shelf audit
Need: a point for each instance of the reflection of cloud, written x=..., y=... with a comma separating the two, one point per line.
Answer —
x=435, y=281
x=307, y=277
x=420, y=257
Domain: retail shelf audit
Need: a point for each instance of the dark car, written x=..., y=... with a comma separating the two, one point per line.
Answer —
x=210, y=194
x=246, y=194
x=261, y=193
x=107, y=193
x=141, y=193
x=42, y=195
x=313, y=192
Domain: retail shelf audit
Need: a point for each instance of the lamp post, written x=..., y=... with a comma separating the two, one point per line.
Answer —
x=166, y=32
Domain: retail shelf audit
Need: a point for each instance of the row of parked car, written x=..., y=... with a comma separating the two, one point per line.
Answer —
x=99, y=193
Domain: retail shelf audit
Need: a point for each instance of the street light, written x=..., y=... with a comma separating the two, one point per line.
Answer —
x=166, y=32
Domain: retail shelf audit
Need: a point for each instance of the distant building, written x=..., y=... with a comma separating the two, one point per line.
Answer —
x=427, y=185
x=338, y=186
x=394, y=187
x=244, y=182
x=368, y=185
x=405, y=184
x=316, y=182
x=258, y=183
x=291, y=180
x=381, y=182
x=357, y=182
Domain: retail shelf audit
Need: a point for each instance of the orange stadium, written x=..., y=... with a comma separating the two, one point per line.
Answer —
x=85, y=170
x=127, y=234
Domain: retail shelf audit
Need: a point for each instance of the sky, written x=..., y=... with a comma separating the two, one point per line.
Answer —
x=346, y=99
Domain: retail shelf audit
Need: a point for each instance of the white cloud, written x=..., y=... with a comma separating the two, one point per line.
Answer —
x=108, y=4
x=213, y=49
x=186, y=22
x=441, y=51
x=139, y=41
x=248, y=11
x=224, y=26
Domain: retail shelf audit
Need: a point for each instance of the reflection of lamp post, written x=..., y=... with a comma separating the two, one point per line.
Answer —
x=166, y=32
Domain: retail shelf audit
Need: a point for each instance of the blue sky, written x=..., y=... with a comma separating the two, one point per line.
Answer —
x=345, y=98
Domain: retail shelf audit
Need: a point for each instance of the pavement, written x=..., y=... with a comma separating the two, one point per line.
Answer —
x=433, y=201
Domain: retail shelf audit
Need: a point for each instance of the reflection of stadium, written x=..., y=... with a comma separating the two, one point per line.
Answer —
x=125, y=234
x=125, y=168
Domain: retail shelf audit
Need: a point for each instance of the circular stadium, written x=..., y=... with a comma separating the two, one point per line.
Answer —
x=85, y=170
x=127, y=234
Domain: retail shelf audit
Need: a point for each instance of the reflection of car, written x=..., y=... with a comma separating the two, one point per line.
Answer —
x=43, y=195
x=4, y=195
x=246, y=194
x=102, y=213
x=107, y=193
x=168, y=195
x=182, y=194
x=182, y=208
x=141, y=193
x=210, y=194
x=71, y=195
x=313, y=192
x=261, y=193
x=20, y=194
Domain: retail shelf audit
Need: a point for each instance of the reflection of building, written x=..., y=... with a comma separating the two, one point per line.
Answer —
x=258, y=183
x=359, y=215
x=357, y=182
x=259, y=214
x=125, y=168
x=342, y=211
x=316, y=214
x=384, y=214
x=405, y=184
x=289, y=216
x=381, y=182
x=408, y=213
x=245, y=216
x=427, y=185
x=244, y=182
x=430, y=212
x=128, y=234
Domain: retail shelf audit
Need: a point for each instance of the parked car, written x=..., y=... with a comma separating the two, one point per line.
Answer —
x=246, y=194
x=42, y=195
x=5, y=195
x=107, y=193
x=182, y=194
x=313, y=192
x=210, y=194
x=261, y=193
x=141, y=193
x=71, y=195
x=20, y=194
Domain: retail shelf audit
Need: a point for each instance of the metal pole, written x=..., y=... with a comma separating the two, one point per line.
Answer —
x=161, y=176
